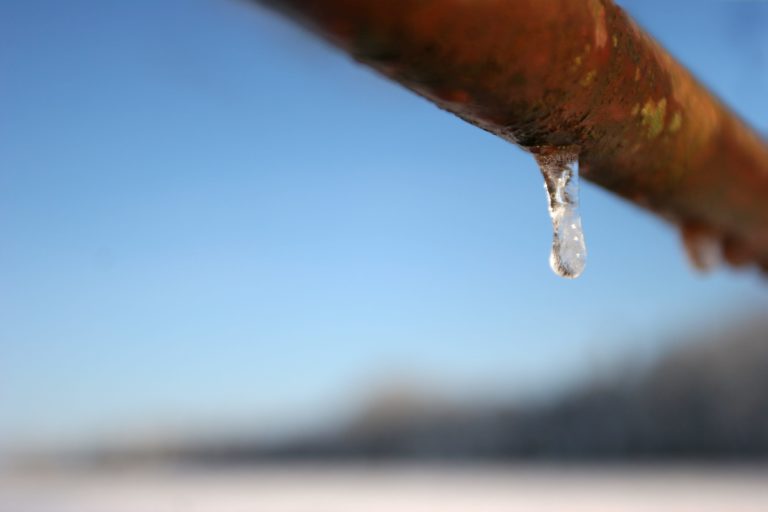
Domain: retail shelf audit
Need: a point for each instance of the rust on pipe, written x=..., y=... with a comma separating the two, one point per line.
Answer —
x=544, y=73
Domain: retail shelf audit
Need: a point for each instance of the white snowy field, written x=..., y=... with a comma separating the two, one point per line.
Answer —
x=401, y=488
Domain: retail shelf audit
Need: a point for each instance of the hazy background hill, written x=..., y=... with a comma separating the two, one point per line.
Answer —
x=704, y=399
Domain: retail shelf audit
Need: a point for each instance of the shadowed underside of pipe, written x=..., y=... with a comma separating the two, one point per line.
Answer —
x=572, y=73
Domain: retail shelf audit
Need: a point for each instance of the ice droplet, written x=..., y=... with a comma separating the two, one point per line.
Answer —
x=702, y=246
x=559, y=166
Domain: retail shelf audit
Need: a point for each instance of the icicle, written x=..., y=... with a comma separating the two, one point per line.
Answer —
x=702, y=246
x=559, y=166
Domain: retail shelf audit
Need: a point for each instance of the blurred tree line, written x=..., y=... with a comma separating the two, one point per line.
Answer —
x=705, y=399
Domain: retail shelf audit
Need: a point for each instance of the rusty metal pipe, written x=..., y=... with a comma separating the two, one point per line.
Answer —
x=571, y=73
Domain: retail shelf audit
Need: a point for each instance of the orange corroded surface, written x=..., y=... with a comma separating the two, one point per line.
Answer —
x=571, y=73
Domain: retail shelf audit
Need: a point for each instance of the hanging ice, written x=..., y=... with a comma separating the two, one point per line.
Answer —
x=559, y=166
x=702, y=245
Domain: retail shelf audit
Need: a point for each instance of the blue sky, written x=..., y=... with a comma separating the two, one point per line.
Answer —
x=208, y=220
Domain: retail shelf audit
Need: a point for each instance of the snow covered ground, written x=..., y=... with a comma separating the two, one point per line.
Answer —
x=401, y=488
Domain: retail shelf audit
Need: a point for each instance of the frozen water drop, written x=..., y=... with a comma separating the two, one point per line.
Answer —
x=702, y=245
x=559, y=166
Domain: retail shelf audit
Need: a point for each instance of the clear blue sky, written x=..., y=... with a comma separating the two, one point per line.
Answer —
x=208, y=219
